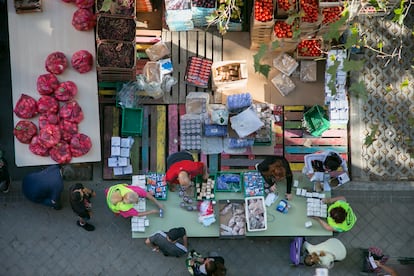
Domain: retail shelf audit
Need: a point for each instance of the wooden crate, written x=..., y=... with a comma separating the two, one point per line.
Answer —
x=297, y=143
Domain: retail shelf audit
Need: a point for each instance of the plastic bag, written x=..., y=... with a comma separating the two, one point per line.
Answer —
x=157, y=51
x=127, y=96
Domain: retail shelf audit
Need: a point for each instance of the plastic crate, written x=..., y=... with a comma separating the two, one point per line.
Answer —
x=253, y=183
x=315, y=120
x=132, y=121
x=205, y=190
x=228, y=182
x=157, y=185
x=256, y=216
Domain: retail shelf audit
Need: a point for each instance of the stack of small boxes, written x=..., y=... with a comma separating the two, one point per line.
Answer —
x=205, y=189
x=138, y=224
x=119, y=160
x=316, y=208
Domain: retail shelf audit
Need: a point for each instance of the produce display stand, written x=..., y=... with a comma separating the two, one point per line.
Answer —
x=33, y=36
x=278, y=224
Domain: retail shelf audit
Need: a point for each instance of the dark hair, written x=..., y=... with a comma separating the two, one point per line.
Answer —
x=332, y=161
x=338, y=214
x=76, y=196
x=308, y=259
x=220, y=270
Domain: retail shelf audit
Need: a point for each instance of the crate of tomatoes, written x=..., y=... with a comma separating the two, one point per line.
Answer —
x=330, y=15
x=285, y=8
x=310, y=49
x=312, y=17
x=263, y=13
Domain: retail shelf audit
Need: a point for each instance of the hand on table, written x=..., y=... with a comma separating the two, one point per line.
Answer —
x=288, y=196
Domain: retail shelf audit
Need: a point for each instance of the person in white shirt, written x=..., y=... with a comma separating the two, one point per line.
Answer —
x=324, y=254
x=325, y=161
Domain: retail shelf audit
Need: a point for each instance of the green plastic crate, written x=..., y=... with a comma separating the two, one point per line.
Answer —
x=132, y=121
x=315, y=120
x=228, y=186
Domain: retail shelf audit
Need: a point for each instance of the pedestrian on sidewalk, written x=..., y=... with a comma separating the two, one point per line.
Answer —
x=275, y=169
x=80, y=201
x=325, y=253
x=4, y=174
x=181, y=169
x=44, y=187
x=341, y=217
x=122, y=197
x=171, y=243
x=211, y=266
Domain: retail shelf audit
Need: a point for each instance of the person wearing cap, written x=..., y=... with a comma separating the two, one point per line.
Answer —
x=172, y=243
x=274, y=169
x=80, y=201
x=122, y=197
x=181, y=168
x=341, y=217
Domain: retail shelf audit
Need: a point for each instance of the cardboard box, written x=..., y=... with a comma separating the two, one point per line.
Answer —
x=232, y=218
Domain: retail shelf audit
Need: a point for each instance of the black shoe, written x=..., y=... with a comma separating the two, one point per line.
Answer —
x=5, y=186
x=86, y=226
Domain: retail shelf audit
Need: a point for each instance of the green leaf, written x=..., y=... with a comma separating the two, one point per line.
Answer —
x=106, y=5
x=263, y=69
x=388, y=88
x=380, y=45
x=404, y=84
x=331, y=70
x=353, y=65
x=392, y=118
x=371, y=137
x=275, y=44
x=359, y=90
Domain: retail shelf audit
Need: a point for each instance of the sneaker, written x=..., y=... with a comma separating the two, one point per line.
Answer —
x=86, y=226
x=5, y=186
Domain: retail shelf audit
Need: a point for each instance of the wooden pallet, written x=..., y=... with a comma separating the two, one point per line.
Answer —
x=174, y=113
x=205, y=44
x=148, y=151
x=297, y=143
x=256, y=154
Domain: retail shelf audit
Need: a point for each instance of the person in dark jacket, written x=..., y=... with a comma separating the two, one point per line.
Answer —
x=80, y=201
x=44, y=187
x=273, y=170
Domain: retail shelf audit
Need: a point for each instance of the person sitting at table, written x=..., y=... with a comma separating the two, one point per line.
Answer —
x=324, y=161
x=274, y=169
x=44, y=187
x=340, y=218
x=325, y=253
x=122, y=197
x=181, y=169
x=171, y=243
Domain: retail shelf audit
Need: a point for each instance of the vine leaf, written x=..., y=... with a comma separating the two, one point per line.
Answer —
x=106, y=5
x=404, y=84
x=263, y=69
x=359, y=90
x=371, y=137
x=353, y=65
x=334, y=27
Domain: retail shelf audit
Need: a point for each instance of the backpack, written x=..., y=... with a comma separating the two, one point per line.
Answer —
x=296, y=250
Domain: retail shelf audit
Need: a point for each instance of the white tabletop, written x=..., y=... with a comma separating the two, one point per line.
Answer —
x=33, y=36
